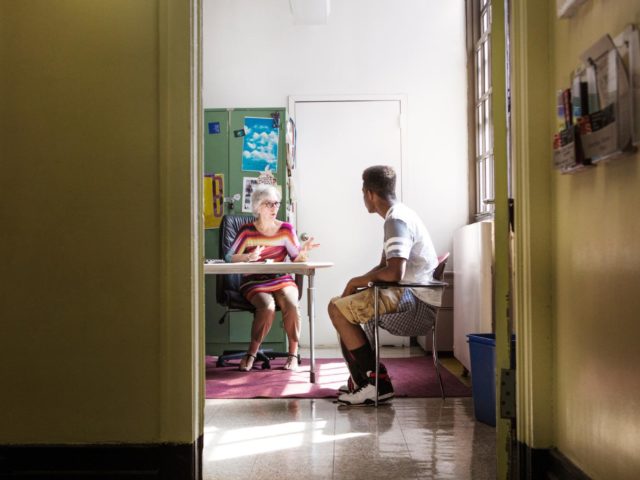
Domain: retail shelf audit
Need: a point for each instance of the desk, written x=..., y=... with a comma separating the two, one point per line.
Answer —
x=299, y=268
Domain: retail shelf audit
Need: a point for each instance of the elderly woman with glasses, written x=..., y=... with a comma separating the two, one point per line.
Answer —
x=269, y=239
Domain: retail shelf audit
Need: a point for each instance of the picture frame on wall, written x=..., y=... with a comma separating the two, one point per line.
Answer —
x=247, y=189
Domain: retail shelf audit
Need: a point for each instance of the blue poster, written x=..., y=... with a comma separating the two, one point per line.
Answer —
x=260, y=148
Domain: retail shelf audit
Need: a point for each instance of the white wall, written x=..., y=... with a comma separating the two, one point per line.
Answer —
x=254, y=56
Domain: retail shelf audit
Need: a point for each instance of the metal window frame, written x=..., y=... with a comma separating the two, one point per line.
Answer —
x=482, y=130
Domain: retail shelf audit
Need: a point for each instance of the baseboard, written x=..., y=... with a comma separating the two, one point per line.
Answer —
x=118, y=461
x=544, y=463
x=443, y=353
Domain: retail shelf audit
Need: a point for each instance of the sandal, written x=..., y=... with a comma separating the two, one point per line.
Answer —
x=246, y=364
x=292, y=362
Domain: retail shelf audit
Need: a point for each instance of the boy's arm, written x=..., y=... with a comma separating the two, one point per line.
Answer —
x=392, y=271
x=382, y=264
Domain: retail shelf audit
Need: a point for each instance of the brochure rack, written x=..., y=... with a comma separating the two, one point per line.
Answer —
x=599, y=115
x=568, y=157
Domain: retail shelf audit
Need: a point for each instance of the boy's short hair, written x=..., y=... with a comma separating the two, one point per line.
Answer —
x=380, y=179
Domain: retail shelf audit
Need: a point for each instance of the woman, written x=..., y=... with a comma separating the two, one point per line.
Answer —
x=267, y=238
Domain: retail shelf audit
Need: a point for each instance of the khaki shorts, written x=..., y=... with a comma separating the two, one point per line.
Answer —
x=358, y=308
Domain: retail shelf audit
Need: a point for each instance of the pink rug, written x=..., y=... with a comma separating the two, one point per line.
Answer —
x=411, y=377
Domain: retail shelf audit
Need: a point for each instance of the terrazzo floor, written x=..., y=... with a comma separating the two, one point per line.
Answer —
x=411, y=438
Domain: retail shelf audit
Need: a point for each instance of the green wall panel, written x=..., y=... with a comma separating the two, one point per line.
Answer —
x=223, y=154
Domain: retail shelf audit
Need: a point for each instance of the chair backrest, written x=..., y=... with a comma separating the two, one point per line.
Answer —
x=438, y=273
x=229, y=228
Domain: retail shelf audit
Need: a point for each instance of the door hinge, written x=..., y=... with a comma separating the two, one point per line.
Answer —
x=507, y=393
x=512, y=215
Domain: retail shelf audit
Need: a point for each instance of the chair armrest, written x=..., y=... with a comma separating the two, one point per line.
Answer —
x=431, y=284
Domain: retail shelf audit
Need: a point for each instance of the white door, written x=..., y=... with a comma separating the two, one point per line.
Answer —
x=336, y=141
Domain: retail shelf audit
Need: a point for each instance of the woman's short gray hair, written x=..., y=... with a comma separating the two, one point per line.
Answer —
x=262, y=191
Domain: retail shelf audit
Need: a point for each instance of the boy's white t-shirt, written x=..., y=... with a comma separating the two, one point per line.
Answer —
x=405, y=236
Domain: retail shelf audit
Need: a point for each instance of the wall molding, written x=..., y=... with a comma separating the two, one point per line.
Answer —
x=549, y=463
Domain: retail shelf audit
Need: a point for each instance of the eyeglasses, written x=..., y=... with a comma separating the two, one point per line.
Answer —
x=271, y=204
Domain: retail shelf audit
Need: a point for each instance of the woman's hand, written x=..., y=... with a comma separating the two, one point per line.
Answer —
x=254, y=255
x=307, y=246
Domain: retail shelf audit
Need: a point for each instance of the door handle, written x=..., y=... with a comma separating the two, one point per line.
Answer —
x=230, y=201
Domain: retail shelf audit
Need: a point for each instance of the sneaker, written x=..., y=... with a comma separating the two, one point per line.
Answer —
x=366, y=395
x=349, y=387
x=385, y=389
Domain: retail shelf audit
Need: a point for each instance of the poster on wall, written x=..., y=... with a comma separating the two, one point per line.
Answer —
x=247, y=189
x=213, y=198
x=260, y=145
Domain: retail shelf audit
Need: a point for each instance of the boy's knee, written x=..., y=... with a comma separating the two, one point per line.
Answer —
x=334, y=314
x=331, y=308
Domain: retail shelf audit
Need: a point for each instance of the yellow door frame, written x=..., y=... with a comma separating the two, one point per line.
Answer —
x=532, y=114
x=501, y=227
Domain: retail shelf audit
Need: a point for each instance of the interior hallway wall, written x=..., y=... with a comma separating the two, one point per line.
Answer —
x=597, y=273
x=91, y=352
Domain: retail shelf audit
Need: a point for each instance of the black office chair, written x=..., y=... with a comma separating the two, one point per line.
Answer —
x=228, y=292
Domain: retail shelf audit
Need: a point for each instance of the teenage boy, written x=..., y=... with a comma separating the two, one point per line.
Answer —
x=408, y=256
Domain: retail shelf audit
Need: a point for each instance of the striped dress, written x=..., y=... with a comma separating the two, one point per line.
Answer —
x=276, y=247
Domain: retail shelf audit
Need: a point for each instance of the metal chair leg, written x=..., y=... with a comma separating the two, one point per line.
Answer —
x=436, y=362
x=436, y=283
x=376, y=339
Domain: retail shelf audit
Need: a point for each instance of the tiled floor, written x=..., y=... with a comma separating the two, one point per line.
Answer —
x=419, y=438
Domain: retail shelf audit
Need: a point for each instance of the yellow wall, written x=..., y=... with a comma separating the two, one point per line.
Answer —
x=596, y=289
x=83, y=327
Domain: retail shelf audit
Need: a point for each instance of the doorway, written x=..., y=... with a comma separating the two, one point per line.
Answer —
x=337, y=138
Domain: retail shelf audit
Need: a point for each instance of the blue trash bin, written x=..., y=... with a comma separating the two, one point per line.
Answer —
x=482, y=350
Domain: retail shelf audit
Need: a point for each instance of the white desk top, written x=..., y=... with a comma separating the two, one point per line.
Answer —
x=304, y=268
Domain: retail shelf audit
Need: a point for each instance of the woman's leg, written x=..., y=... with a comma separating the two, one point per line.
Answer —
x=262, y=319
x=287, y=299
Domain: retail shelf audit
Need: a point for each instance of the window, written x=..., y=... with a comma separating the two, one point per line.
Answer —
x=480, y=28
